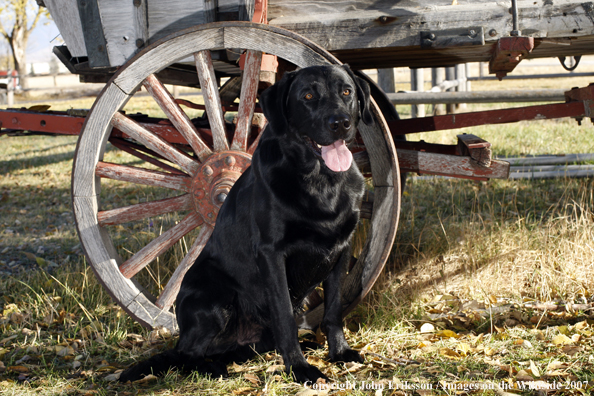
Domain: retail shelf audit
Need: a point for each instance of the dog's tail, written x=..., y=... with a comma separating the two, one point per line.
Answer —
x=158, y=364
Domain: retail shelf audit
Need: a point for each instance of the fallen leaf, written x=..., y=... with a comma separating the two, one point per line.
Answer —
x=146, y=379
x=448, y=352
x=275, y=368
x=5, y=340
x=556, y=365
x=571, y=349
x=18, y=369
x=252, y=378
x=523, y=375
x=463, y=348
x=312, y=392
x=534, y=369
x=66, y=351
x=112, y=377
x=490, y=351
x=243, y=391
x=316, y=361
x=446, y=334
x=562, y=339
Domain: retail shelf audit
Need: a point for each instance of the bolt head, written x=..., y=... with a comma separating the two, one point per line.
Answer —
x=230, y=160
x=221, y=197
x=207, y=171
x=492, y=32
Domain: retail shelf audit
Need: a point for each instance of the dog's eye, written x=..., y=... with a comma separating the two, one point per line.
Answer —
x=308, y=96
x=346, y=92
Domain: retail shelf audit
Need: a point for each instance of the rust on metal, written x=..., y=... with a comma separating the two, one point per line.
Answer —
x=214, y=180
x=508, y=53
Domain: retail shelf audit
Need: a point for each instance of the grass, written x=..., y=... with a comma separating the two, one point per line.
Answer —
x=456, y=299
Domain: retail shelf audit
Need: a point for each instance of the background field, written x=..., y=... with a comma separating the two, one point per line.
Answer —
x=461, y=298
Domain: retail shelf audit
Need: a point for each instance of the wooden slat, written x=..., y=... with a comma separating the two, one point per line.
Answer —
x=159, y=245
x=167, y=297
x=144, y=210
x=66, y=16
x=154, y=142
x=450, y=165
x=212, y=101
x=177, y=116
x=249, y=91
x=142, y=176
x=341, y=25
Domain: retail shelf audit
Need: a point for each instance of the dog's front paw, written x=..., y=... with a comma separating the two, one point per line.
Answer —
x=131, y=374
x=348, y=355
x=307, y=374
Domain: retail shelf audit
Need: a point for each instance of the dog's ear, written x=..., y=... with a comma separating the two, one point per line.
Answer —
x=363, y=96
x=274, y=102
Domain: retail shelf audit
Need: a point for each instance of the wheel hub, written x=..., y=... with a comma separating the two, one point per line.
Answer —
x=214, y=180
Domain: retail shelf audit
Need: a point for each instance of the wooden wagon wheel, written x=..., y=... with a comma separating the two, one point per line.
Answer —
x=198, y=177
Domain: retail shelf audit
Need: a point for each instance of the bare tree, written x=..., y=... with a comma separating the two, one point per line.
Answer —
x=15, y=27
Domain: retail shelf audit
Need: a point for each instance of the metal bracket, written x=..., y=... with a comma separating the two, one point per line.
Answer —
x=453, y=37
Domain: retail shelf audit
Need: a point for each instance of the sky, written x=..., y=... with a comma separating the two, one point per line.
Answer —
x=39, y=47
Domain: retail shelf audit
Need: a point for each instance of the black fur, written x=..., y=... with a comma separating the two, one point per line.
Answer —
x=285, y=227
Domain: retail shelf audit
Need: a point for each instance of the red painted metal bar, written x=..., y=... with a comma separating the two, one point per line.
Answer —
x=502, y=116
x=49, y=122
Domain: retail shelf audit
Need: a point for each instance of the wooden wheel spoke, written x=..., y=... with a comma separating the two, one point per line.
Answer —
x=136, y=150
x=212, y=101
x=249, y=91
x=366, y=211
x=257, y=140
x=154, y=142
x=159, y=245
x=167, y=297
x=144, y=210
x=147, y=177
x=177, y=116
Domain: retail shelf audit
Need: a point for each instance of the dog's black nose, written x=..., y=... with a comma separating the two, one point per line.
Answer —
x=339, y=123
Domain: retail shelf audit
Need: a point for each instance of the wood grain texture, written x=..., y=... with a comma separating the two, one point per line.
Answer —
x=249, y=91
x=177, y=116
x=284, y=46
x=165, y=52
x=154, y=142
x=159, y=245
x=150, y=316
x=120, y=34
x=92, y=141
x=143, y=210
x=212, y=101
x=169, y=16
x=338, y=25
x=450, y=165
x=167, y=297
x=65, y=15
x=122, y=290
x=137, y=151
x=146, y=177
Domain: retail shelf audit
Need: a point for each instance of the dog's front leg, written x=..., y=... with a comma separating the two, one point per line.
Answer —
x=284, y=328
x=338, y=347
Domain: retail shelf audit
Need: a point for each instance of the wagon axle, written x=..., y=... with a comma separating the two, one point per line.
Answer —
x=214, y=180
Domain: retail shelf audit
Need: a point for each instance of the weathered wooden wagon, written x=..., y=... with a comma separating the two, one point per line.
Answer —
x=138, y=46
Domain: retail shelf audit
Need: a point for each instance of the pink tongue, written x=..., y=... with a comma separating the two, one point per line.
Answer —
x=337, y=156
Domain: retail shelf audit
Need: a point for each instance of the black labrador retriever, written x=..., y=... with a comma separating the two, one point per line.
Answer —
x=285, y=227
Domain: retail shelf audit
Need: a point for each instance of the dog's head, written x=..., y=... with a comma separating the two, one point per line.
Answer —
x=322, y=106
